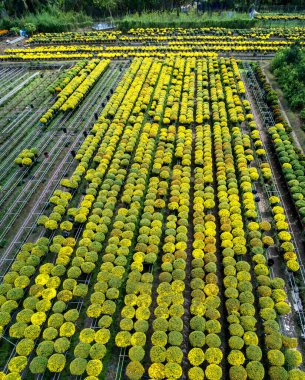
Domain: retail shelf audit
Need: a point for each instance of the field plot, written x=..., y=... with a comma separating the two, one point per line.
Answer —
x=155, y=42
x=152, y=213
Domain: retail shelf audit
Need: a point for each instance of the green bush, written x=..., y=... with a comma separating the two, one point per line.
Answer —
x=254, y=353
x=97, y=351
x=277, y=373
x=45, y=348
x=159, y=338
x=174, y=354
x=158, y=354
x=274, y=341
x=61, y=345
x=198, y=323
x=237, y=373
x=236, y=329
x=134, y=370
x=236, y=343
x=197, y=339
x=136, y=353
x=271, y=326
x=248, y=323
x=255, y=370
x=175, y=338
x=164, y=20
x=38, y=364
x=293, y=358
x=82, y=350
x=276, y=358
x=25, y=347
x=50, y=20
x=175, y=324
x=78, y=366
x=212, y=340
x=160, y=324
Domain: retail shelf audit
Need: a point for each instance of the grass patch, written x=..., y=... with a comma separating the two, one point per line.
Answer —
x=50, y=20
x=190, y=20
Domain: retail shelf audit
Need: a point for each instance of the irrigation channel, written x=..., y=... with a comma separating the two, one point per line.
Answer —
x=52, y=170
x=294, y=324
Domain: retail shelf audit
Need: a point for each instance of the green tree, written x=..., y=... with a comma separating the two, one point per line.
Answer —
x=30, y=27
x=15, y=30
x=78, y=366
x=109, y=5
x=38, y=364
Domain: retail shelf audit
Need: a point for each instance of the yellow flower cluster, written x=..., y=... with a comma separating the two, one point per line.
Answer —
x=26, y=157
x=281, y=17
x=170, y=167
x=70, y=37
x=187, y=43
x=76, y=89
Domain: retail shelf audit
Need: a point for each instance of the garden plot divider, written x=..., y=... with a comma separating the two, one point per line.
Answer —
x=123, y=356
x=264, y=214
x=92, y=276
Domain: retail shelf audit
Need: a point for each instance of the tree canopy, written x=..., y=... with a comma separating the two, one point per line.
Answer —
x=18, y=8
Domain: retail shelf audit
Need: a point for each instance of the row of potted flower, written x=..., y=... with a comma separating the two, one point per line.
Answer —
x=164, y=34
x=137, y=192
x=101, y=129
x=26, y=157
x=272, y=299
x=76, y=89
x=245, y=355
x=65, y=78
